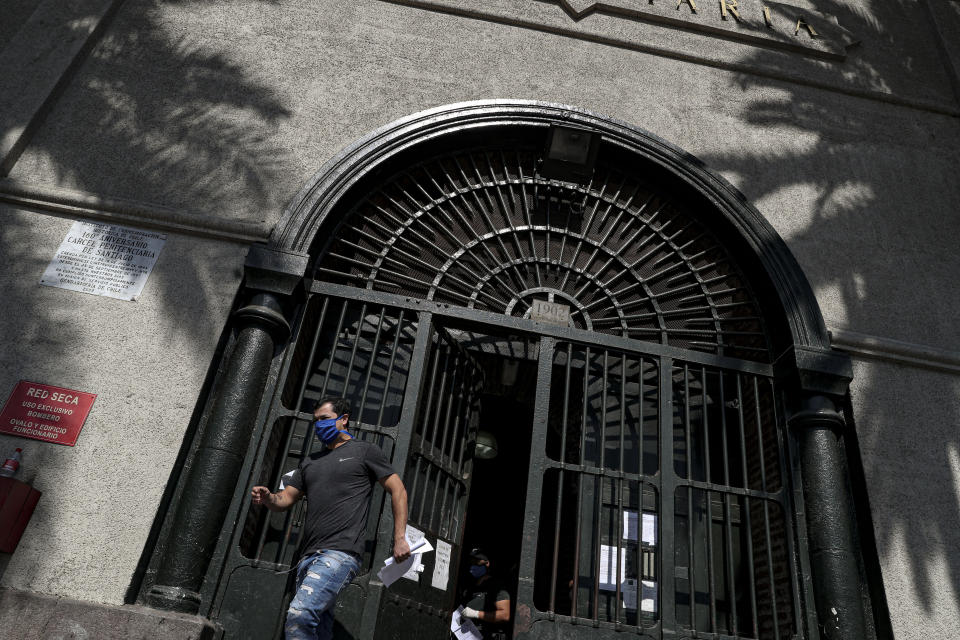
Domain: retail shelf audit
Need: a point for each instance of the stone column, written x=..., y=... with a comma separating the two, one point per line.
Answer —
x=830, y=515
x=212, y=478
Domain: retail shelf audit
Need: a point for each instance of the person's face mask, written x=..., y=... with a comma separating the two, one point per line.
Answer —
x=478, y=570
x=327, y=430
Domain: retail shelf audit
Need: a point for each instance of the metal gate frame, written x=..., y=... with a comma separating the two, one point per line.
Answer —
x=429, y=314
x=228, y=558
x=667, y=482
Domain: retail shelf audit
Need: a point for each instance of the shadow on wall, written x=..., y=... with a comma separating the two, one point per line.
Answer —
x=155, y=115
x=147, y=113
x=879, y=252
x=156, y=118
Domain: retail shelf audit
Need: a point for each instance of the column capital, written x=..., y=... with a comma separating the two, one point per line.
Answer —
x=816, y=370
x=274, y=270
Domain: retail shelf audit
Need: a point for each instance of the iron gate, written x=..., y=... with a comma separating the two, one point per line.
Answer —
x=664, y=504
x=659, y=492
x=414, y=392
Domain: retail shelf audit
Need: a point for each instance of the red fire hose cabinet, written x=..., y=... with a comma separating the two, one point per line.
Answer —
x=17, y=502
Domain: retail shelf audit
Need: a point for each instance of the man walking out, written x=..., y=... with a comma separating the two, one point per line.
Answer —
x=338, y=482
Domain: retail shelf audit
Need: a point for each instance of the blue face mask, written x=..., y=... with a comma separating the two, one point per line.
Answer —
x=478, y=570
x=327, y=430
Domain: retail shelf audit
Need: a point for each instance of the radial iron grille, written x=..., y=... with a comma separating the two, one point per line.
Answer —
x=480, y=228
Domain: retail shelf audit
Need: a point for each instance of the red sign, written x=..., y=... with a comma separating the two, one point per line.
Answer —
x=44, y=412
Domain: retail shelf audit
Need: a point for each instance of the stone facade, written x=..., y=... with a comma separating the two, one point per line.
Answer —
x=203, y=121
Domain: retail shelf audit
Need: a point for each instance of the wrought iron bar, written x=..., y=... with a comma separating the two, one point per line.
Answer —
x=486, y=217
x=504, y=209
x=747, y=524
x=603, y=241
x=766, y=510
x=589, y=223
x=709, y=477
x=727, y=512
x=582, y=460
x=393, y=359
x=560, y=479
x=691, y=573
x=526, y=216
x=356, y=343
x=424, y=418
x=371, y=362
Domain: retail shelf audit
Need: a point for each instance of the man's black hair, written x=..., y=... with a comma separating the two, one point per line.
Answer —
x=340, y=405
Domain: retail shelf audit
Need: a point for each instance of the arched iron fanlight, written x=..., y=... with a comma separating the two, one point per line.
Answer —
x=481, y=228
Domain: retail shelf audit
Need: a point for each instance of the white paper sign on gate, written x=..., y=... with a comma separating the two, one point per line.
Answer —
x=441, y=567
x=648, y=529
x=609, y=566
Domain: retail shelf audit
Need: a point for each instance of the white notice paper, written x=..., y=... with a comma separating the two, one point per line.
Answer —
x=441, y=565
x=650, y=528
x=648, y=596
x=649, y=531
x=105, y=260
x=285, y=478
x=629, y=525
x=463, y=628
x=608, y=567
x=392, y=571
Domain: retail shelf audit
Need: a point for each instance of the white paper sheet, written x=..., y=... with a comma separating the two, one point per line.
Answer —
x=648, y=596
x=608, y=567
x=393, y=571
x=649, y=526
x=414, y=536
x=286, y=478
x=463, y=628
x=441, y=565
x=629, y=525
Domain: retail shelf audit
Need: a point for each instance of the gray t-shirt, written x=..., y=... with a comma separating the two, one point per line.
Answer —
x=485, y=598
x=338, y=483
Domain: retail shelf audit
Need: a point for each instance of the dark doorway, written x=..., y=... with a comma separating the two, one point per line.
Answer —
x=495, y=508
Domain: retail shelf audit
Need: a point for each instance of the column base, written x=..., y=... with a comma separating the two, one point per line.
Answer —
x=32, y=616
x=173, y=599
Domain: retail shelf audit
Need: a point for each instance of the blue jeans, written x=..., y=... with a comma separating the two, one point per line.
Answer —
x=320, y=577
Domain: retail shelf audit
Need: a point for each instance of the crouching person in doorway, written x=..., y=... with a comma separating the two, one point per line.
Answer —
x=338, y=483
x=485, y=600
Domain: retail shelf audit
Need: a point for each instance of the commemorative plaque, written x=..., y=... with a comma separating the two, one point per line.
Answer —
x=105, y=260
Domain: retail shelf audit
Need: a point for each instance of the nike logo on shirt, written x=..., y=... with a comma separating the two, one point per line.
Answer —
x=350, y=458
